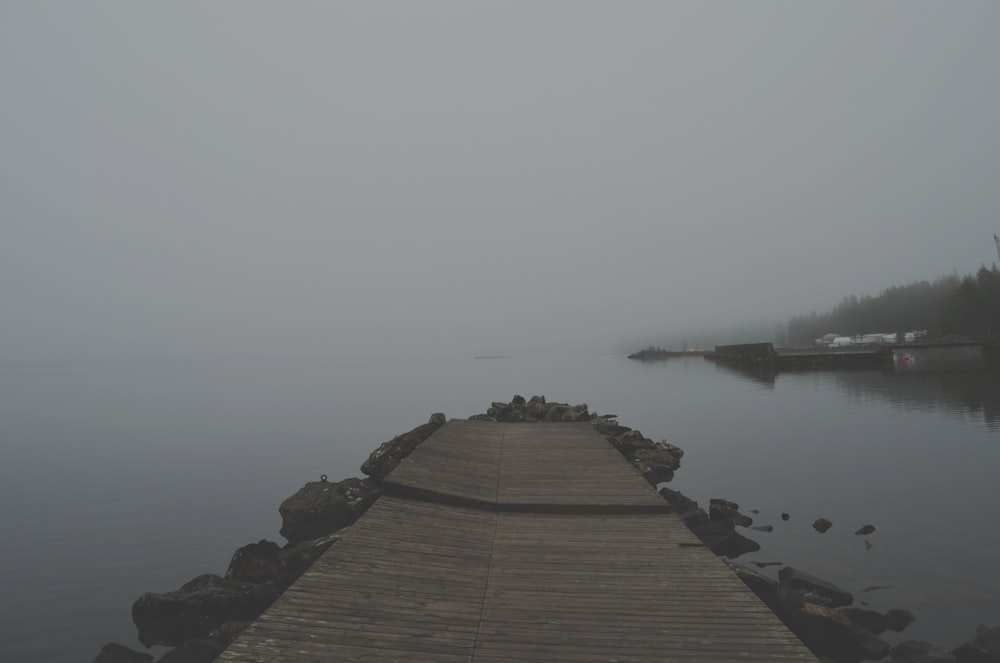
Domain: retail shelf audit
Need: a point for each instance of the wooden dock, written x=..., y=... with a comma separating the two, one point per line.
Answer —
x=517, y=542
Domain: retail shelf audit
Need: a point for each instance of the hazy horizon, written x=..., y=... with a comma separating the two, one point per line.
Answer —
x=188, y=179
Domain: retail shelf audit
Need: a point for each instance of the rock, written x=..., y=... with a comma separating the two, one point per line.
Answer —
x=764, y=565
x=796, y=579
x=822, y=525
x=198, y=607
x=785, y=516
x=295, y=558
x=984, y=648
x=116, y=653
x=577, y=413
x=629, y=442
x=874, y=621
x=721, y=510
x=867, y=529
x=827, y=632
x=518, y=401
x=915, y=651
x=657, y=464
x=689, y=511
x=384, y=460
x=555, y=411
x=193, y=651
x=763, y=528
x=734, y=545
x=765, y=588
x=898, y=619
x=255, y=562
x=321, y=507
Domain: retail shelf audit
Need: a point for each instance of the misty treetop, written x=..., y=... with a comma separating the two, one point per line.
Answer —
x=967, y=306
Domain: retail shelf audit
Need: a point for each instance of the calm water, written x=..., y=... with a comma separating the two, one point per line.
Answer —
x=125, y=478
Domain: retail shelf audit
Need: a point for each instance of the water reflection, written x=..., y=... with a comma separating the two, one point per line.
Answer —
x=961, y=383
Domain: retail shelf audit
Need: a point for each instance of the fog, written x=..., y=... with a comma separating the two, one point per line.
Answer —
x=187, y=179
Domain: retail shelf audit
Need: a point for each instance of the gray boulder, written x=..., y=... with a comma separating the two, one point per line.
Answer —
x=255, y=562
x=321, y=507
x=198, y=607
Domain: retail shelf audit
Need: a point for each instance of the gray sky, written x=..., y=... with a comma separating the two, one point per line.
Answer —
x=188, y=178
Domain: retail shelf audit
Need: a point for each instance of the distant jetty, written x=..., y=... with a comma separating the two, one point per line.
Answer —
x=652, y=354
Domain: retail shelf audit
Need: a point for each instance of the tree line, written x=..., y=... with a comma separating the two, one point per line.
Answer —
x=968, y=306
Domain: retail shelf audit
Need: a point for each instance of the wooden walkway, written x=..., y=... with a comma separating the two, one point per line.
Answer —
x=517, y=542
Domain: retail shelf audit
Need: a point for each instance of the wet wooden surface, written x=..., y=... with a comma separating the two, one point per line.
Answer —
x=442, y=580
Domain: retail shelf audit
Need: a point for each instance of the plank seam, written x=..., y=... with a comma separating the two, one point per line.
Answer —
x=486, y=586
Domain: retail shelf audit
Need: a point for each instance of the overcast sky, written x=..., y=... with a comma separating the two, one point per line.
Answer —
x=186, y=177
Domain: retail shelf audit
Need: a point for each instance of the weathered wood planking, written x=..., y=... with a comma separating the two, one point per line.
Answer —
x=525, y=467
x=533, y=543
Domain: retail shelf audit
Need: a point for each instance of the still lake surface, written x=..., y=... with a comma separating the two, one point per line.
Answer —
x=122, y=478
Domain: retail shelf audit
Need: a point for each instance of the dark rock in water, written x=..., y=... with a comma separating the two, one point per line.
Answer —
x=795, y=579
x=198, y=607
x=763, y=528
x=755, y=511
x=689, y=511
x=734, y=545
x=827, y=632
x=874, y=621
x=193, y=651
x=255, y=562
x=867, y=529
x=915, y=651
x=765, y=588
x=898, y=619
x=984, y=648
x=721, y=510
x=868, y=544
x=116, y=653
x=384, y=460
x=320, y=507
x=785, y=516
x=658, y=463
x=822, y=525
x=764, y=565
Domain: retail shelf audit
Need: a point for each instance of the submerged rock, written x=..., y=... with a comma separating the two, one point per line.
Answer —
x=197, y=608
x=867, y=529
x=320, y=507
